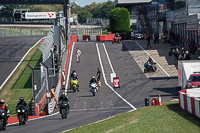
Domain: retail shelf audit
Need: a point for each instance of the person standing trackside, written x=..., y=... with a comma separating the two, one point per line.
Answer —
x=148, y=41
x=78, y=55
x=98, y=76
x=53, y=95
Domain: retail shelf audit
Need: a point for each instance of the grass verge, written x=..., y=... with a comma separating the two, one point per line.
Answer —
x=169, y=118
x=20, y=84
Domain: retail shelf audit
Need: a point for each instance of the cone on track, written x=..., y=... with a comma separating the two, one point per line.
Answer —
x=156, y=101
x=159, y=101
x=153, y=102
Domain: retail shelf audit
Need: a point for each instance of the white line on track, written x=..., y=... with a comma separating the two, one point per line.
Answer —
x=108, y=58
x=107, y=82
x=152, y=58
x=68, y=72
x=19, y=64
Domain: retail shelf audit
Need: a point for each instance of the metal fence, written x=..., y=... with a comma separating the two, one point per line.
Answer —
x=22, y=32
x=85, y=31
x=46, y=46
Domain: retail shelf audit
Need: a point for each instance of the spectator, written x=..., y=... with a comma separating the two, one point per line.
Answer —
x=182, y=54
x=53, y=95
x=187, y=55
x=78, y=55
x=148, y=41
x=156, y=37
x=98, y=76
x=176, y=55
x=63, y=77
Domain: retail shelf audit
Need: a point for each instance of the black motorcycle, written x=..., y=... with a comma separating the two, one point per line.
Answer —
x=150, y=67
x=21, y=113
x=171, y=51
x=3, y=121
x=64, y=109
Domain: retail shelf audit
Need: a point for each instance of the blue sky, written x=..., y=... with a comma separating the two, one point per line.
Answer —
x=82, y=3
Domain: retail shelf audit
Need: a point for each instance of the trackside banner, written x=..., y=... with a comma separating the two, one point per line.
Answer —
x=40, y=15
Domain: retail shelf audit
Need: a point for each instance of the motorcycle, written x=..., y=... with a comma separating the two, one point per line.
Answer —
x=21, y=114
x=116, y=40
x=171, y=51
x=3, y=121
x=150, y=67
x=74, y=85
x=94, y=88
x=64, y=109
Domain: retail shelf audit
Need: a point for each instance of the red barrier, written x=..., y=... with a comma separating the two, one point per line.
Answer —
x=42, y=101
x=185, y=102
x=37, y=110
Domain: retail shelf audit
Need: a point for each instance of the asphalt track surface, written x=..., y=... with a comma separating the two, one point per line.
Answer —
x=12, y=49
x=85, y=108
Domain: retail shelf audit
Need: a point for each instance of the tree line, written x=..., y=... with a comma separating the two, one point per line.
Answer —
x=119, y=17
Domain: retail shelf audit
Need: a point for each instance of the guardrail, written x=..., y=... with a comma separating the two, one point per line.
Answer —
x=190, y=103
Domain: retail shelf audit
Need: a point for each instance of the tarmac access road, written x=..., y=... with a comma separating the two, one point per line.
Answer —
x=85, y=108
x=12, y=50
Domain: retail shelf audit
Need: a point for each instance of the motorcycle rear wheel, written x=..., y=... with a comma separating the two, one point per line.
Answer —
x=155, y=68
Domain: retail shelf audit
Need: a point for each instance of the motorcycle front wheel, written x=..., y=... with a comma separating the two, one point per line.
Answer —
x=145, y=70
x=62, y=113
x=74, y=89
x=4, y=125
x=20, y=119
x=93, y=93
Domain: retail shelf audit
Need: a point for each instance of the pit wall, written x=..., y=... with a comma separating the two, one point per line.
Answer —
x=189, y=103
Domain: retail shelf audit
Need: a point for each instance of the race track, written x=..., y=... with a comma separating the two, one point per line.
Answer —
x=85, y=108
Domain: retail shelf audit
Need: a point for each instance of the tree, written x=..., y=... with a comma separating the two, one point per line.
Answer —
x=119, y=20
x=83, y=15
x=7, y=10
x=106, y=9
x=75, y=9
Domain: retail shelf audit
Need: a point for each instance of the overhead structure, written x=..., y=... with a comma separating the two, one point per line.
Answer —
x=31, y=2
x=132, y=2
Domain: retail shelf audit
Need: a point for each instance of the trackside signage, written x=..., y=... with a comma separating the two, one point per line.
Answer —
x=40, y=15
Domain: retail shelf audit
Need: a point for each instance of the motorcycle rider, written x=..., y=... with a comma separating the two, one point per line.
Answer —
x=93, y=80
x=117, y=36
x=4, y=106
x=149, y=63
x=74, y=76
x=63, y=98
x=22, y=102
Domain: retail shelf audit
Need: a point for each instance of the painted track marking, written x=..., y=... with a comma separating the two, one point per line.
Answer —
x=152, y=58
x=105, y=80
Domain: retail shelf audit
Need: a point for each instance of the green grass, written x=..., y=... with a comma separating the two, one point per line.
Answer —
x=20, y=83
x=169, y=118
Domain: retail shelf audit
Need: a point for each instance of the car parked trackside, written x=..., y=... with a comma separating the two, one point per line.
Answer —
x=137, y=34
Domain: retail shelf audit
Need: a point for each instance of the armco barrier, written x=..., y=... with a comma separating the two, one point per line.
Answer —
x=189, y=102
